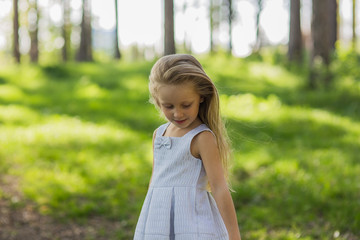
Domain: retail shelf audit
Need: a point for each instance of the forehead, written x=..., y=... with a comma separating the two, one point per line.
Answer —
x=177, y=93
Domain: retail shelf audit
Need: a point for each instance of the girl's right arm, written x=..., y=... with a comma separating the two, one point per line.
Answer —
x=153, y=140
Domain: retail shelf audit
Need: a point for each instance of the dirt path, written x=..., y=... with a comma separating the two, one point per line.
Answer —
x=19, y=220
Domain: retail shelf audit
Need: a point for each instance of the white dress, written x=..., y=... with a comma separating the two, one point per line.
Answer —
x=177, y=205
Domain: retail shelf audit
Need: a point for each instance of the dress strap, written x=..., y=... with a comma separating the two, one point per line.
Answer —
x=197, y=130
x=161, y=130
x=190, y=135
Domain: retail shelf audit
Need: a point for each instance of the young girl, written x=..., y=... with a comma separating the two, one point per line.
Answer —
x=190, y=154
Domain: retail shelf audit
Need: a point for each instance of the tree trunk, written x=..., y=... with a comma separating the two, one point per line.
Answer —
x=333, y=23
x=117, y=53
x=16, y=49
x=85, y=49
x=33, y=32
x=214, y=17
x=169, y=40
x=258, y=42
x=295, y=35
x=211, y=18
x=66, y=29
x=230, y=19
x=320, y=32
x=354, y=25
x=186, y=46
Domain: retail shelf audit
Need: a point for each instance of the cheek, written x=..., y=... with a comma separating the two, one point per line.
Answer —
x=165, y=111
x=195, y=110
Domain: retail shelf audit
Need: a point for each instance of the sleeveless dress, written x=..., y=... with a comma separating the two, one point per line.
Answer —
x=177, y=205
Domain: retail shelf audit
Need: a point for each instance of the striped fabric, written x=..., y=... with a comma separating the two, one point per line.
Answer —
x=177, y=205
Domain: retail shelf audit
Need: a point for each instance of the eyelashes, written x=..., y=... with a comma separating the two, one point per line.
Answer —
x=171, y=106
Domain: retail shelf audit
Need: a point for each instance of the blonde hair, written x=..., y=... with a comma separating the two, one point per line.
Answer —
x=183, y=68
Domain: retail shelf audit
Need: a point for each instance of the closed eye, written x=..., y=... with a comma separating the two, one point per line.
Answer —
x=168, y=106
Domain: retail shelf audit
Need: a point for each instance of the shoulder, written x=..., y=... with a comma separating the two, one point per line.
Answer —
x=154, y=133
x=205, y=139
x=205, y=136
x=202, y=142
x=160, y=129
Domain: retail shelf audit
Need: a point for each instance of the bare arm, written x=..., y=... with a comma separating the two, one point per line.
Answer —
x=153, y=140
x=205, y=145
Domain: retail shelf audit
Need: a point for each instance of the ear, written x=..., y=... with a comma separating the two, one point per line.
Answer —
x=201, y=99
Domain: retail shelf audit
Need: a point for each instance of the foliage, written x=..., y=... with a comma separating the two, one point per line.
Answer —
x=79, y=138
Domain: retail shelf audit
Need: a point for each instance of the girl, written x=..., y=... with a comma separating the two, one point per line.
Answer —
x=190, y=153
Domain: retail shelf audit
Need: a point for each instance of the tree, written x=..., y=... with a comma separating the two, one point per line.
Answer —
x=333, y=23
x=186, y=44
x=117, y=48
x=169, y=39
x=66, y=29
x=211, y=18
x=295, y=36
x=260, y=7
x=16, y=49
x=230, y=17
x=33, y=31
x=214, y=17
x=354, y=25
x=320, y=32
x=85, y=49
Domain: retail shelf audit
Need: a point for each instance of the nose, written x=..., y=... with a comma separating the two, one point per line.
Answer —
x=177, y=114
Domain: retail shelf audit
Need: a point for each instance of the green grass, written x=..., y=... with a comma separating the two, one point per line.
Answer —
x=79, y=138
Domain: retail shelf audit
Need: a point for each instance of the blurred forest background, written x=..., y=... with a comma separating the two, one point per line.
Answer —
x=76, y=124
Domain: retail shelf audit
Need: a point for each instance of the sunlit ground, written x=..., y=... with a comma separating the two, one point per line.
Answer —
x=79, y=138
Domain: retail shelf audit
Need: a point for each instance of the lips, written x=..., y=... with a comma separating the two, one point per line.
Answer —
x=180, y=121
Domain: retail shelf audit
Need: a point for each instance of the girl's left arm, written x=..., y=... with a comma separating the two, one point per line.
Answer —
x=205, y=144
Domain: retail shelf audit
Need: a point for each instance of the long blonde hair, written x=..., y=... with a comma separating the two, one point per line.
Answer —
x=183, y=68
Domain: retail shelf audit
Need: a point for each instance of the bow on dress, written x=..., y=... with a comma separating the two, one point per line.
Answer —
x=166, y=142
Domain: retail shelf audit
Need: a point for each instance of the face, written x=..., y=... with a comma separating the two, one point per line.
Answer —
x=180, y=104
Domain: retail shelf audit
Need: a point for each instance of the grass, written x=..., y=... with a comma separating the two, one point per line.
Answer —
x=79, y=138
